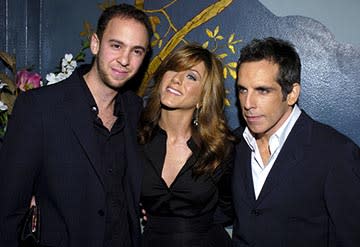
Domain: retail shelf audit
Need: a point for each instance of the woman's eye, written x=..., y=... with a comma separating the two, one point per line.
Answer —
x=191, y=77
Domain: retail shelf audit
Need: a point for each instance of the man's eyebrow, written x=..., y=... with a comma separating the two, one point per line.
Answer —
x=139, y=47
x=265, y=88
x=122, y=43
x=116, y=41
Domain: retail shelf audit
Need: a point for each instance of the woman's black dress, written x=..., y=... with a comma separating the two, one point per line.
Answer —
x=182, y=215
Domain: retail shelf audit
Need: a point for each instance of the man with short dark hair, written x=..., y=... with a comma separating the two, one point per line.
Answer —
x=73, y=146
x=296, y=181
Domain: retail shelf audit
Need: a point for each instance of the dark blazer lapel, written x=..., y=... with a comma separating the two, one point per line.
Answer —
x=78, y=114
x=289, y=156
x=242, y=178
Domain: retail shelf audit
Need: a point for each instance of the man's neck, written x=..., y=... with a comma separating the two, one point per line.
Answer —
x=264, y=150
x=104, y=98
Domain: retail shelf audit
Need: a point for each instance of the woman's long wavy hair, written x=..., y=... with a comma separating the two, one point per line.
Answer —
x=212, y=134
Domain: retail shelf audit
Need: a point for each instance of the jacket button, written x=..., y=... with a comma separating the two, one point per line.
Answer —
x=256, y=212
x=101, y=212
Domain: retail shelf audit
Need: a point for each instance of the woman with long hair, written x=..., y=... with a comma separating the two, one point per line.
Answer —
x=187, y=148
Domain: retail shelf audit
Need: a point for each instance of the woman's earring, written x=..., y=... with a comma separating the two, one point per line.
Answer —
x=196, y=118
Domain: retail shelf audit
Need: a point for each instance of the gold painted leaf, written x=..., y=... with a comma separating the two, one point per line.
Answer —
x=219, y=37
x=205, y=45
x=236, y=41
x=216, y=31
x=209, y=33
x=103, y=6
x=222, y=55
x=160, y=43
x=232, y=48
x=154, y=20
x=232, y=73
x=139, y=4
x=232, y=65
x=87, y=30
x=154, y=42
x=225, y=72
x=227, y=102
x=232, y=36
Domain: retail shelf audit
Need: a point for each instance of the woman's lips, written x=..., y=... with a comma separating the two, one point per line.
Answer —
x=173, y=91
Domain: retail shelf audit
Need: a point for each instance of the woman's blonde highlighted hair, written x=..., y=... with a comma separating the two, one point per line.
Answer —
x=212, y=134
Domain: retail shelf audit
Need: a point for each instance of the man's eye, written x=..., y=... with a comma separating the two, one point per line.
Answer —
x=241, y=90
x=138, y=52
x=116, y=46
x=263, y=90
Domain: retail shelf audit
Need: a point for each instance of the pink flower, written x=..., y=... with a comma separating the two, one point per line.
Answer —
x=26, y=80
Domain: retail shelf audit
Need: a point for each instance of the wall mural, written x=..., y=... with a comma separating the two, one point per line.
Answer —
x=330, y=69
x=330, y=74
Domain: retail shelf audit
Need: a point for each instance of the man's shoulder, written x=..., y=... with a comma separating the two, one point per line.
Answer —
x=324, y=134
x=58, y=86
x=47, y=96
x=238, y=132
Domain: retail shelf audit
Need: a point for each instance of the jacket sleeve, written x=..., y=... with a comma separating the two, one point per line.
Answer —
x=20, y=161
x=224, y=212
x=342, y=195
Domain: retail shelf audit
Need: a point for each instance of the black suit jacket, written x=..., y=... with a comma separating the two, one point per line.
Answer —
x=50, y=151
x=311, y=197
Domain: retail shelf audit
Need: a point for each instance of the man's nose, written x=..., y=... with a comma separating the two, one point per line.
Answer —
x=248, y=101
x=123, y=58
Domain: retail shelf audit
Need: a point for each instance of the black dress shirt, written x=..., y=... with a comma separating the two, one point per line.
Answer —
x=112, y=150
x=188, y=195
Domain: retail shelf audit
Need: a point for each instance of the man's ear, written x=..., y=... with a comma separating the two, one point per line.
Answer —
x=294, y=95
x=94, y=44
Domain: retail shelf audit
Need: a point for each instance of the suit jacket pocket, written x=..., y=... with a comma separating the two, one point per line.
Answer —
x=305, y=231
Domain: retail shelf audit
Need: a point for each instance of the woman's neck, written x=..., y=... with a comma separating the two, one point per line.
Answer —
x=177, y=124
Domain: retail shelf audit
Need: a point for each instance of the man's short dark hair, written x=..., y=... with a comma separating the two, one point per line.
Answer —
x=279, y=52
x=125, y=11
